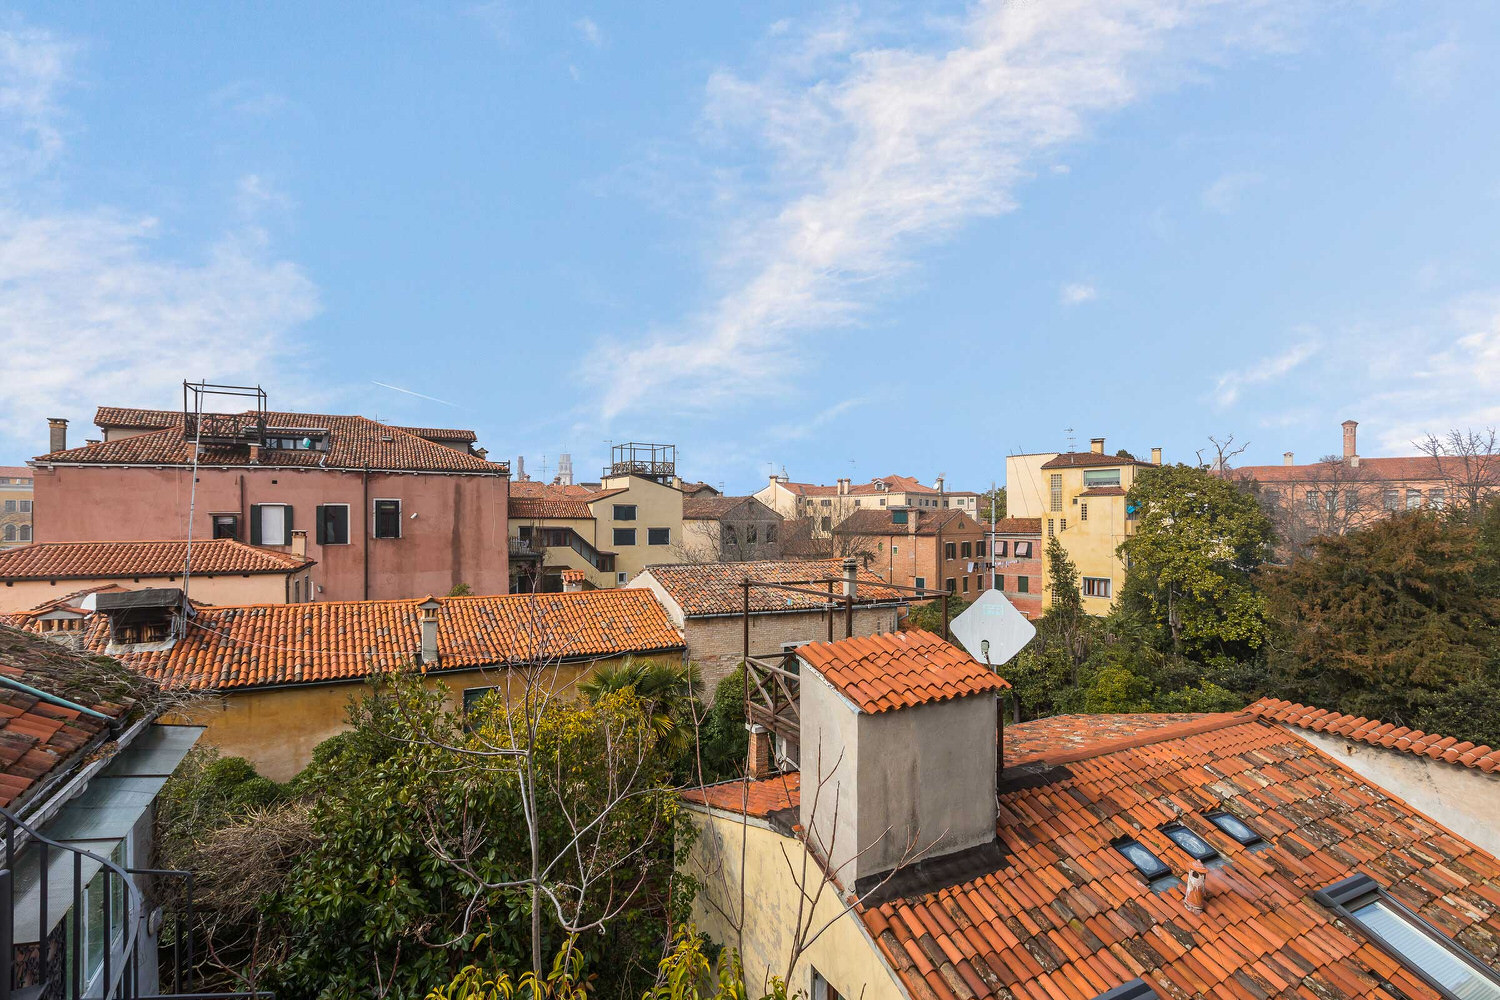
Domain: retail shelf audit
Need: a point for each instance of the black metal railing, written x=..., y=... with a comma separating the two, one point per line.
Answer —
x=60, y=968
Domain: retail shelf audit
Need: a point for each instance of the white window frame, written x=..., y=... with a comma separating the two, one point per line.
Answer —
x=1101, y=583
x=375, y=521
x=286, y=527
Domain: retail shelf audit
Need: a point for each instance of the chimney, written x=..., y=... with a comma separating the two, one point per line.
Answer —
x=851, y=576
x=91, y=440
x=843, y=487
x=1096, y=445
x=1351, y=454
x=482, y=453
x=762, y=762
x=940, y=484
x=57, y=434
x=912, y=517
x=1195, y=895
x=255, y=454
x=1286, y=458
x=429, y=623
x=1155, y=456
x=572, y=581
x=299, y=542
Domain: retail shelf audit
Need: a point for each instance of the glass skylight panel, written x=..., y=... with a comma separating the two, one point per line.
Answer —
x=1435, y=957
x=1235, y=827
x=1145, y=862
x=1196, y=846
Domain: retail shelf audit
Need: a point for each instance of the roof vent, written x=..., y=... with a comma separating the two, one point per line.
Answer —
x=1196, y=894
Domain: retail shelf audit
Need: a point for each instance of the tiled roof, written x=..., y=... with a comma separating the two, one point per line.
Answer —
x=132, y=418
x=527, y=508
x=353, y=443
x=1413, y=467
x=714, y=588
x=750, y=798
x=536, y=500
x=1103, y=491
x=1081, y=459
x=102, y=560
x=689, y=489
x=73, y=601
x=444, y=434
x=929, y=522
x=1066, y=916
x=899, y=670
x=891, y=484
x=16, y=472
x=537, y=490
x=1034, y=740
x=1379, y=734
x=1018, y=526
x=709, y=508
x=37, y=737
x=328, y=641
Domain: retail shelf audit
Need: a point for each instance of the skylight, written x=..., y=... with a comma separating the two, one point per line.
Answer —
x=1136, y=989
x=1236, y=828
x=1196, y=846
x=1145, y=862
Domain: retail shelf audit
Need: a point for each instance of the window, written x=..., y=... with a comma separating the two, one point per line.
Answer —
x=1392, y=499
x=1083, y=512
x=1055, y=484
x=1001, y=548
x=1198, y=848
x=1413, y=499
x=624, y=536
x=827, y=503
x=921, y=583
x=951, y=585
x=1351, y=501
x=1424, y=949
x=387, y=518
x=270, y=524
x=1148, y=864
x=226, y=525
x=333, y=524
x=624, y=512
x=1049, y=528
x=821, y=990
x=966, y=585
x=770, y=533
x=827, y=523
x=949, y=550
x=1236, y=828
x=9, y=534
x=25, y=506
x=1436, y=497
x=663, y=536
x=1062, y=525
x=1023, y=550
x=1023, y=584
x=1100, y=477
x=1331, y=500
x=25, y=533
x=882, y=501
x=10, y=506
x=966, y=549
x=898, y=517
x=1095, y=586
x=1312, y=499
x=981, y=549
x=999, y=581
x=622, y=579
x=895, y=549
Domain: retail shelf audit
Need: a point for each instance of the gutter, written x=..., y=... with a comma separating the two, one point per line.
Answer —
x=802, y=611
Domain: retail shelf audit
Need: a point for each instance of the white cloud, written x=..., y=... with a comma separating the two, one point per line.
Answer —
x=1224, y=194
x=93, y=312
x=249, y=98
x=877, y=151
x=33, y=71
x=588, y=30
x=1227, y=389
x=1074, y=293
x=806, y=428
x=1431, y=71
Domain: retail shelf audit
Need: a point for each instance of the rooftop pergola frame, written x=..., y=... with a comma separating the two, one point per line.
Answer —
x=207, y=427
x=772, y=680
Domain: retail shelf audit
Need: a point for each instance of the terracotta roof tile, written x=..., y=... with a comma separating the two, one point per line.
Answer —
x=899, y=670
x=750, y=798
x=330, y=641
x=714, y=588
x=531, y=500
x=104, y=560
x=354, y=442
x=443, y=434
x=1103, y=491
x=1034, y=740
x=1373, y=732
x=36, y=736
x=1419, y=468
x=710, y=508
x=869, y=521
x=1065, y=916
x=1084, y=459
x=875, y=487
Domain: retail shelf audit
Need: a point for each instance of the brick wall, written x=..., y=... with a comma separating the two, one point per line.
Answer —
x=716, y=644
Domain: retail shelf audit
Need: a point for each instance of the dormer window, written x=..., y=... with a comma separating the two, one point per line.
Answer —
x=1149, y=865
x=1197, y=848
x=1236, y=828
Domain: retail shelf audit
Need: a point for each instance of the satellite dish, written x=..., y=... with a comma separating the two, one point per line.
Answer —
x=991, y=629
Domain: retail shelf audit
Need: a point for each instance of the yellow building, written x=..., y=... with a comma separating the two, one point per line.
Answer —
x=15, y=506
x=1084, y=508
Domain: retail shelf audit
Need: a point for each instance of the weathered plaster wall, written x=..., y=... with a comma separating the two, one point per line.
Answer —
x=844, y=955
x=1465, y=800
x=716, y=644
x=256, y=588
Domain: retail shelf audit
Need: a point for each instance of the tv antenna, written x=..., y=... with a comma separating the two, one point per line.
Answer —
x=1069, y=432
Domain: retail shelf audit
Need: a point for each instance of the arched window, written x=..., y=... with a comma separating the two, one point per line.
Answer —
x=25, y=532
x=10, y=532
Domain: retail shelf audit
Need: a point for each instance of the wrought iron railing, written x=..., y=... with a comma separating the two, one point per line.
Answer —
x=58, y=974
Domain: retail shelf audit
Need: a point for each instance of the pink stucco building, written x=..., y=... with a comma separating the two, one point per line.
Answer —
x=386, y=512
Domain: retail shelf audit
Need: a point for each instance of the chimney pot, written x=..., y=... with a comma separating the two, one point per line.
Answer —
x=1155, y=456
x=1096, y=445
x=429, y=623
x=1286, y=458
x=851, y=576
x=843, y=487
x=761, y=763
x=299, y=542
x=57, y=434
x=1195, y=895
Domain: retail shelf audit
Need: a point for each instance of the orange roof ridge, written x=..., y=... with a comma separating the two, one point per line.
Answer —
x=894, y=670
x=1375, y=733
x=1192, y=727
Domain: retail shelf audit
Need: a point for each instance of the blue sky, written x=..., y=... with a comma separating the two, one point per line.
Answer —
x=840, y=239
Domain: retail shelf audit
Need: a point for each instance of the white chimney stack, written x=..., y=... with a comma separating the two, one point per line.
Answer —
x=429, y=624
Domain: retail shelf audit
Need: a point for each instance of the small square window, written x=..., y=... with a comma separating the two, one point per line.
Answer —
x=952, y=585
x=624, y=536
x=663, y=536
x=226, y=526
x=1023, y=584
x=624, y=512
x=387, y=518
x=1023, y=550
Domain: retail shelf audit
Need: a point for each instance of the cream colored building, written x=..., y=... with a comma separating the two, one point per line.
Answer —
x=825, y=507
x=1084, y=508
x=15, y=505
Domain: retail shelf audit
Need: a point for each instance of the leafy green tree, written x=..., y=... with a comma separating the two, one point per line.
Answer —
x=1064, y=624
x=991, y=503
x=669, y=691
x=929, y=616
x=1393, y=622
x=1198, y=539
x=722, y=742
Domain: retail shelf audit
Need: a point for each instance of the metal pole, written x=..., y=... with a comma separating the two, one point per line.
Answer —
x=7, y=935
x=848, y=616
x=993, y=561
x=745, y=662
x=78, y=956
x=190, y=931
x=109, y=937
x=945, y=616
x=42, y=917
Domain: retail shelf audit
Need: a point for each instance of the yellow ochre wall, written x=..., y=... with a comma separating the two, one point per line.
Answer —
x=276, y=729
x=1092, y=544
x=844, y=955
x=657, y=506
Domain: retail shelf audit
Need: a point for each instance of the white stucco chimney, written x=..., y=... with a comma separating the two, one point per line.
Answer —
x=299, y=542
x=429, y=624
x=851, y=576
x=1286, y=458
x=1155, y=456
x=843, y=487
x=57, y=434
x=1096, y=445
